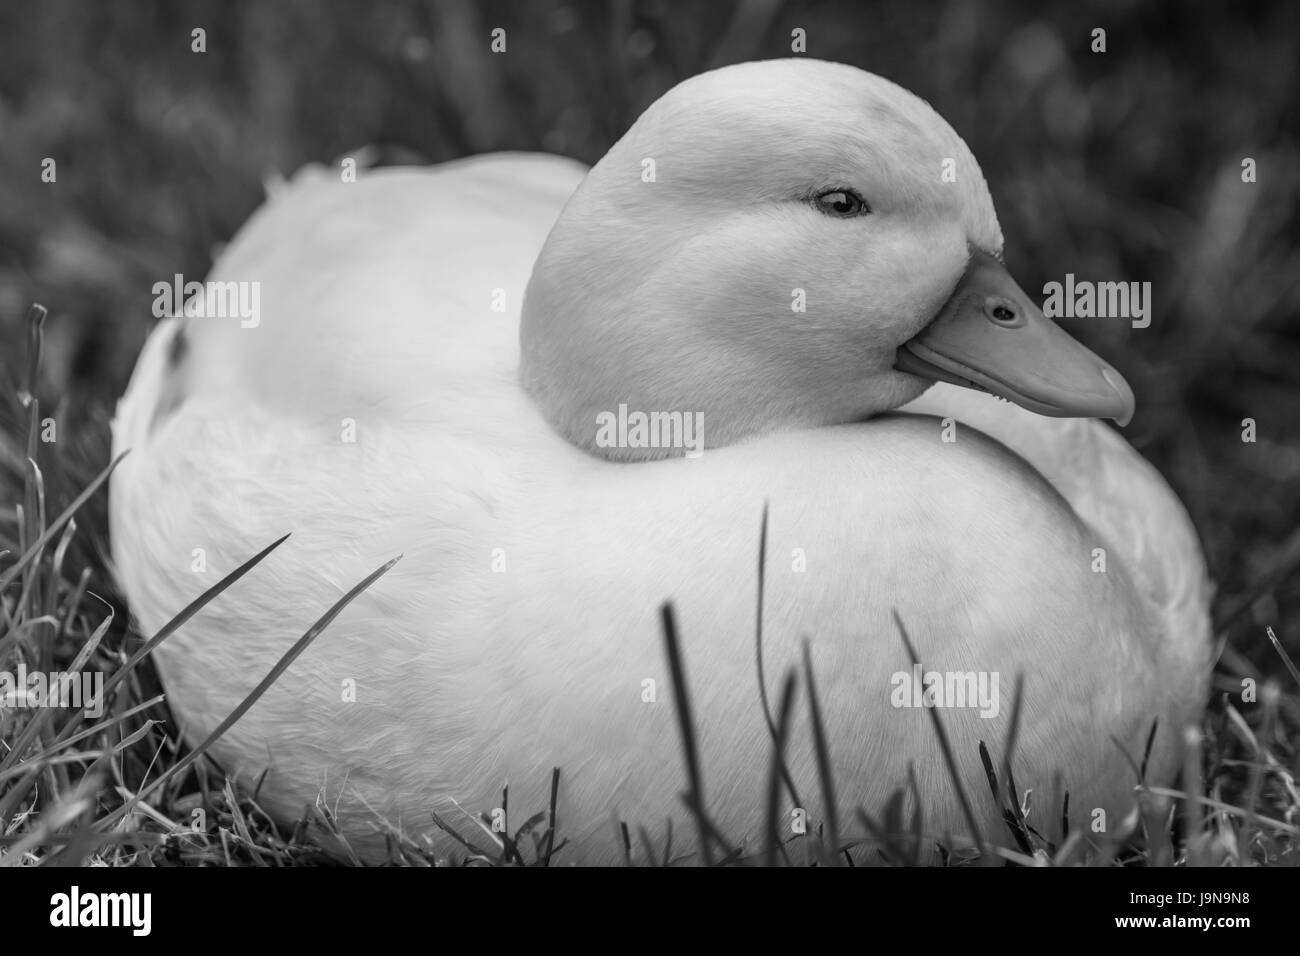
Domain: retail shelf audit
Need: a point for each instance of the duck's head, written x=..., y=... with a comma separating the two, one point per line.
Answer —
x=787, y=244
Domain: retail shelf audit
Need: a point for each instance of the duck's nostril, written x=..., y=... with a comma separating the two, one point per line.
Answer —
x=1003, y=312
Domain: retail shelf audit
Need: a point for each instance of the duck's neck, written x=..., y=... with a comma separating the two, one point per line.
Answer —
x=596, y=389
x=627, y=383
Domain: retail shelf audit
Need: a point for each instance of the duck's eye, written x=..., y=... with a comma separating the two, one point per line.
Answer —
x=841, y=203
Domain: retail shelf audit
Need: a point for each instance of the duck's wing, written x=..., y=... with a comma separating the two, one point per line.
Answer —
x=364, y=291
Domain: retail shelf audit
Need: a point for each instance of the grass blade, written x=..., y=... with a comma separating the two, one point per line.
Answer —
x=773, y=834
x=758, y=655
x=822, y=749
x=56, y=526
x=948, y=758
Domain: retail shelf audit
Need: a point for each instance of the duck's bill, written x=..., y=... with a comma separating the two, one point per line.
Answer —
x=989, y=336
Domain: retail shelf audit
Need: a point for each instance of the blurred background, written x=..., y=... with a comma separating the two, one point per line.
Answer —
x=1122, y=165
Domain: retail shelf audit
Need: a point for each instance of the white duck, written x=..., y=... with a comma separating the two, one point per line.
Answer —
x=520, y=629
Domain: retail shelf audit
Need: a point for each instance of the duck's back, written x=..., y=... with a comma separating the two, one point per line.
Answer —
x=373, y=289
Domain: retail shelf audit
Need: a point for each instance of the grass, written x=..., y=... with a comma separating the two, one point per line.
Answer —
x=1122, y=165
x=108, y=783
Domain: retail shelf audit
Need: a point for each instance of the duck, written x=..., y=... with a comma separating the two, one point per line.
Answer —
x=795, y=261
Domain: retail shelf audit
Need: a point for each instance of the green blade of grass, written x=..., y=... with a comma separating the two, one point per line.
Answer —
x=1286, y=658
x=782, y=729
x=694, y=799
x=686, y=727
x=37, y=546
x=1239, y=812
x=1008, y=755
x=550, y=832
x=36, y=314
x=822, y=749
x=758, y=655
x=948, y=757
x=626, y=841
